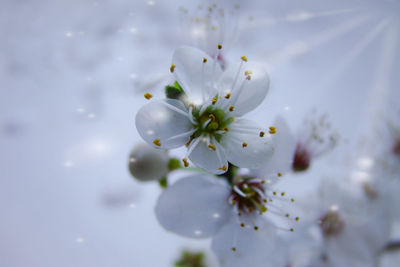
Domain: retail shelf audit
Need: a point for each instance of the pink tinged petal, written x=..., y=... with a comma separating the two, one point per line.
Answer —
x=196, y=206
x=208, y=159
x=195, y=76
x=248, y=85
x=164, y=124
x=258, y=149
x=285, y=146
x=251, y=248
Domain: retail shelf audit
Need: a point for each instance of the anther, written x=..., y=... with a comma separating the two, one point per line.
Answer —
x=157, y=142
x=248, y=72
x=244, y=144
x=172, y=68
x=242, y=224
x=279, y=174
x=263, y=182
x=244, y=58
x=291, y=230
x=212, y=117
x=211, y=146
x=297, y=219
x=283, y=194
x=213, y=100
x=274, y=193
x=231, y=108
x=219, y=46
x=148, y=96
x=204, y=60
x=233, y=249
x=239, y=214
x=256, y=228
x=262, y=134
x=228, y=95
x=265, y=201
x=287, y=215
x=292, y=199
x=226, y=129
x=223, y=168
x=185, y=162
x=272, y=130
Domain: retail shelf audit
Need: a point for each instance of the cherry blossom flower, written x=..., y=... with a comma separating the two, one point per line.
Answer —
x=147, y=163
x=207, y=117
x=316, y=137
x=346, y=227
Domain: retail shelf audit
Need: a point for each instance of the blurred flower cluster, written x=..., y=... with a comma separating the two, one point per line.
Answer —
x=227, y=180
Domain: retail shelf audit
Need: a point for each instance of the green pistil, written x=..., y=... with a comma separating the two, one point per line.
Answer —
x=218, y=122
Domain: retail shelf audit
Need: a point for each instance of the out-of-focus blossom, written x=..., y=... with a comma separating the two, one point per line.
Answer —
x=147, y=163
x=315, y=138
x=207, y=116
x=345, y=227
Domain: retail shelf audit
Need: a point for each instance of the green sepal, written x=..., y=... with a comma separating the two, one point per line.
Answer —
x=163, y=182
x=174, y=91
x=174, y=164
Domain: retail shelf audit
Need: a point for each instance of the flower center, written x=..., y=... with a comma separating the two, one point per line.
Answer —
x=331, y=224
x=301, y=160
x=248, y=195
x=211, y=121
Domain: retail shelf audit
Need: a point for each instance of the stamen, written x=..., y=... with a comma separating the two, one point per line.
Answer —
x=211, y=146
x=219, y=46
x=214, y=100
x=231, y=108
x=157, y=142
x=185, y=162
x=262, y=134
x=172, y=68
x=272, y=130
x=244, y=58
x=204, y=60
x=244, y=144
x=148, y=96
x=279, y=174
x=228, y=95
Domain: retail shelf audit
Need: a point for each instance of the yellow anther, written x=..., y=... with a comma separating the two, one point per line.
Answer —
x=213, y=100
x=239, y=214
x=244, y=144
x=204, y=60
x=283, y=194
x=242, y=224
x=263, y=182
x=291, y=230
x=148, y=96
x=157, y=142
x=212, y=117
x=265, y=201
x=256, y=228
x=172, y=68
x=264, y=209
x=231, y=108
x=274, y=193
x=262, y=134
x=292, y=199
x=287, y=215
x=279, y=174
x=228, y=95
x=244, y=58
x=211, y=146
x=185, y=162
x=226, y=129
x=272, y=130
x=219, y=46
x=233, y=249
x=248, y=72
x=297, y=219
x=223, y=168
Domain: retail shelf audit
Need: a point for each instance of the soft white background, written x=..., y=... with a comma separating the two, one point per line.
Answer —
x=69, y=72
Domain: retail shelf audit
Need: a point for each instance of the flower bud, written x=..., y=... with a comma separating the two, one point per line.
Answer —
x=147, y=163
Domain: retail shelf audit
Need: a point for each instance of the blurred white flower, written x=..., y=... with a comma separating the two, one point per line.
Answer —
x=315, y=138
x=207, y=118
x=201, y=206
x=345, y=227
x=147, y=163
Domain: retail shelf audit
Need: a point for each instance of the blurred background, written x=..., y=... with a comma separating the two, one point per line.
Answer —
x=73, y=74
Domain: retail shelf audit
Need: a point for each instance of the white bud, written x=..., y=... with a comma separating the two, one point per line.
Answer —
x=147, y=163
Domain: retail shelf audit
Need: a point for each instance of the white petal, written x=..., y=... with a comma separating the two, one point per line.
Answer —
x=208, y=159
x=168, y=123
x=253, y=248
x=285, y=146
x=246, y=94
x=258, y=149
x=195, y=76
x=196, y=206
